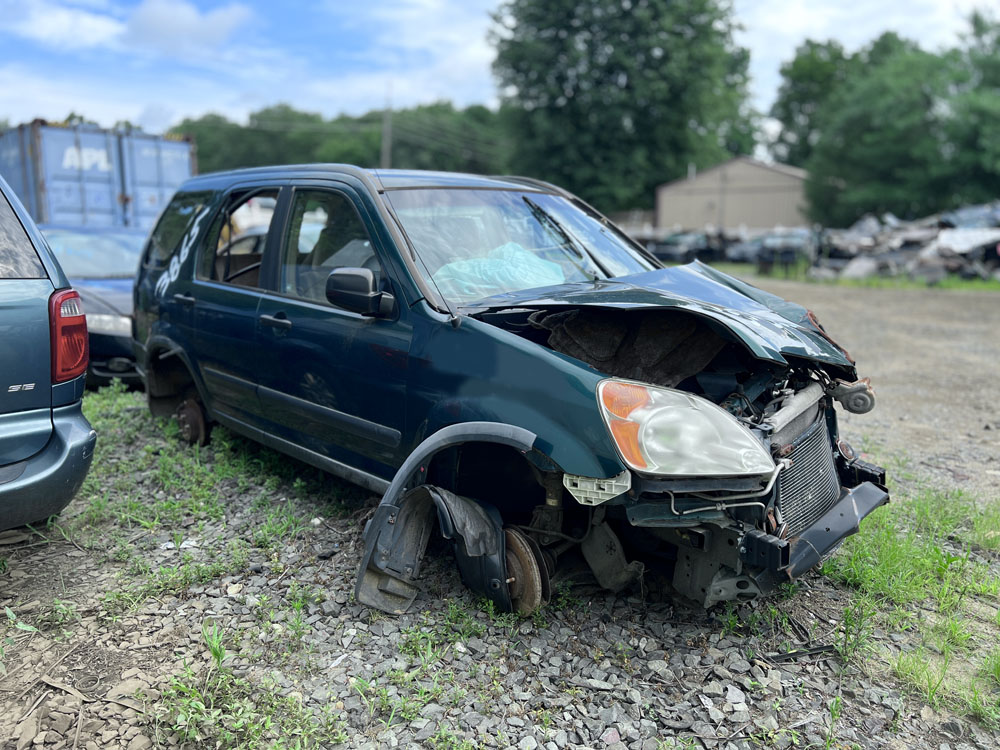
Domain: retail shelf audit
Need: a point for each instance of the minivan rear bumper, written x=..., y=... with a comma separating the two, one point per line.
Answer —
x=41, y=486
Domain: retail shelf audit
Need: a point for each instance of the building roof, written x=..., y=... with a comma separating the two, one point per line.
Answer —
x=784, y=169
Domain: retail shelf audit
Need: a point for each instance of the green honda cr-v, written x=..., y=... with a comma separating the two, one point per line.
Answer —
x=495, y=358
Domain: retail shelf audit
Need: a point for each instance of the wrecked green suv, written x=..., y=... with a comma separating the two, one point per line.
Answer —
x=501, y=363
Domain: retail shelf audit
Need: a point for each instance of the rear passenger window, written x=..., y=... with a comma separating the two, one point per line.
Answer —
x=325, y=233
x=174, y=224
x=235, y=246
x=18, y=259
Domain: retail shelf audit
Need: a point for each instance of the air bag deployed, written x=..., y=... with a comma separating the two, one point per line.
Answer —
x=396, y=539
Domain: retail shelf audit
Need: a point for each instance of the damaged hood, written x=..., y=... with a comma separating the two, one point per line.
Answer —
x=771, y=327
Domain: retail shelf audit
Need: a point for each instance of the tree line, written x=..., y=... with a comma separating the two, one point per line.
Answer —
x=893, y=127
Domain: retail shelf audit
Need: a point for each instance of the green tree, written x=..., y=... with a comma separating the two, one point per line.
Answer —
x=883, y=145
x=808, y=80
x=610, y=98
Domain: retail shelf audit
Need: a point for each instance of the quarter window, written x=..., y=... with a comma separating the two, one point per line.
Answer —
x=18, y=259
x=235, y=246
x=325, y=233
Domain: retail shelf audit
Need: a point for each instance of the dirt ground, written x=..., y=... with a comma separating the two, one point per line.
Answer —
x=104, y=640
x=934, y=360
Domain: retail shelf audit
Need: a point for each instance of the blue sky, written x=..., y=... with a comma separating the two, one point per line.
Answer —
x=155, y=62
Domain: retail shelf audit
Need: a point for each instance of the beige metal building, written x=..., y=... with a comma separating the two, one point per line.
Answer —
x=739, y=193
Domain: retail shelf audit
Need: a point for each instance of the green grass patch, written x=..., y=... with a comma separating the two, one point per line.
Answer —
x=221, y=710
x=800, y=272
x=924, y=566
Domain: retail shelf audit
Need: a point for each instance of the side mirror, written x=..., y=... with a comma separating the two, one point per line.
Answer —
x=355, y=289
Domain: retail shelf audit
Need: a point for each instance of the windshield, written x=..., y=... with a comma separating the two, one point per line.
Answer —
x=96, y=255
x=478, y=243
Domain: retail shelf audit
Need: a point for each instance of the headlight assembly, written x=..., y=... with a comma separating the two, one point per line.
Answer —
x=672, y=433
x=110, y=325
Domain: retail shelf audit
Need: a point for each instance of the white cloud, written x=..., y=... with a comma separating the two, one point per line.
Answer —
x=59, y=26
x=774, y=28
x=427, y=50
x=176, y=27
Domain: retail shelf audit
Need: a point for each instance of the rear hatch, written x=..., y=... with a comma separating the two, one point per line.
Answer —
x=25, y=359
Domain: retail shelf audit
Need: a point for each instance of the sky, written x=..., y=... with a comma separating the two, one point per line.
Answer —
x=155, y=62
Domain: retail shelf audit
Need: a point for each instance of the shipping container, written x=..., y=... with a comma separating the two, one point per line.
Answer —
x=83, y=175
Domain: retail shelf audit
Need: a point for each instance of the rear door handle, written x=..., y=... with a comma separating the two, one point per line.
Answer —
x=275, y=321
x=184, y=299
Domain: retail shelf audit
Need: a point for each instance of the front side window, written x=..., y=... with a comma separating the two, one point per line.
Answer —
x=235, y=246
x=474, y=244
x=325, y=232
x=18, y=259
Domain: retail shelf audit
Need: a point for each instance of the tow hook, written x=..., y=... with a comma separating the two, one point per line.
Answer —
x=857, y=397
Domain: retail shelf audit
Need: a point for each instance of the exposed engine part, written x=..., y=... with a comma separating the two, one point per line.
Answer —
x=662, y=348
x=700, y=573
x=726, y=502
x=794, y=407
x=546, y=523
x=592, y=491
x=604, y=554
x=857, y=397
x=527, y=575
x=553, y=489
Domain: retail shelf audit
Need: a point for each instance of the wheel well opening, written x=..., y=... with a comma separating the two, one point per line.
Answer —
x=168, y=384
x=493, y=473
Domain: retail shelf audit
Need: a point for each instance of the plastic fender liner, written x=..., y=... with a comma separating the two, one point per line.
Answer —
x=396, y=539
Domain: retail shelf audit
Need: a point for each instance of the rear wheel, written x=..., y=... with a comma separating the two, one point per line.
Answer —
x=192, y=421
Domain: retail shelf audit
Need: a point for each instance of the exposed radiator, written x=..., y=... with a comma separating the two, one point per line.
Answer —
x=808, y=488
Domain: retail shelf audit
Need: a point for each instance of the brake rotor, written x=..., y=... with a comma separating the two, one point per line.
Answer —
x=191, y=420
x=524, y=573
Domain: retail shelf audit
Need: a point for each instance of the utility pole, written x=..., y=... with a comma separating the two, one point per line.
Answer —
x=386, y=161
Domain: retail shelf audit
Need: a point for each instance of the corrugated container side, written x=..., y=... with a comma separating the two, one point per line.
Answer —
x=80, y=171
x=153, y=168
x=85, y=176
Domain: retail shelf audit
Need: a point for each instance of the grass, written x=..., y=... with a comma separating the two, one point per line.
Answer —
x=925, y=566
x=221, y=710
x=799, y=272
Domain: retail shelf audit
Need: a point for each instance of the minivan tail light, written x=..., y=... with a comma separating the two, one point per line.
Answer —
x=68, y=331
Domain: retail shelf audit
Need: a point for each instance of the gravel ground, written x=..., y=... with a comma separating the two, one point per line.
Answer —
x=105, y=643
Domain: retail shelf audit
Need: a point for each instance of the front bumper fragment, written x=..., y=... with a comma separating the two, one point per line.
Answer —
x=781, y=560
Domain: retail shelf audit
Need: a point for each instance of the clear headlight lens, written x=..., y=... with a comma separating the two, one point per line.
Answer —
x=672, y=433
x=110, y=325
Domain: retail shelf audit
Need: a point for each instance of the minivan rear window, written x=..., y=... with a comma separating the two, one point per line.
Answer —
x=18, y=259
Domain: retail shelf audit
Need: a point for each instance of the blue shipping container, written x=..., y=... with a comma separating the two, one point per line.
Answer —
x=85, y=176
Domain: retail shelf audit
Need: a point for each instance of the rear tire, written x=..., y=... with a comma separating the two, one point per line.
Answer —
x=193, y=422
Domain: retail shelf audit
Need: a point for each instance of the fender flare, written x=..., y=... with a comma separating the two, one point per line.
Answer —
x=395, y=538
x=448, y=437
x=160, y=346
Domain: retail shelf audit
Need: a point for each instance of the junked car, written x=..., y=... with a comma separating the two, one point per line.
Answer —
x=101, y=263
x=46, y=443
x=500, y=363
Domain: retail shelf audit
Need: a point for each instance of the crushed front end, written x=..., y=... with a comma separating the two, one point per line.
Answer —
x=736, y=538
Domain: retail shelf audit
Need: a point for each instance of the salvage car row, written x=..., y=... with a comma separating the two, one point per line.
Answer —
x=491, y=356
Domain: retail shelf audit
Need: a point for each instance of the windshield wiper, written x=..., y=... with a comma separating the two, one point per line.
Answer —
x=544, y=217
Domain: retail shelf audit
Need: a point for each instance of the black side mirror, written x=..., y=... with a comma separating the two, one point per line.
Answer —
x=355, y=289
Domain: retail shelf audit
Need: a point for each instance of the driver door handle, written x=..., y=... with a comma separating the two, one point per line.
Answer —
x=184, y=299
x=275, y=321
